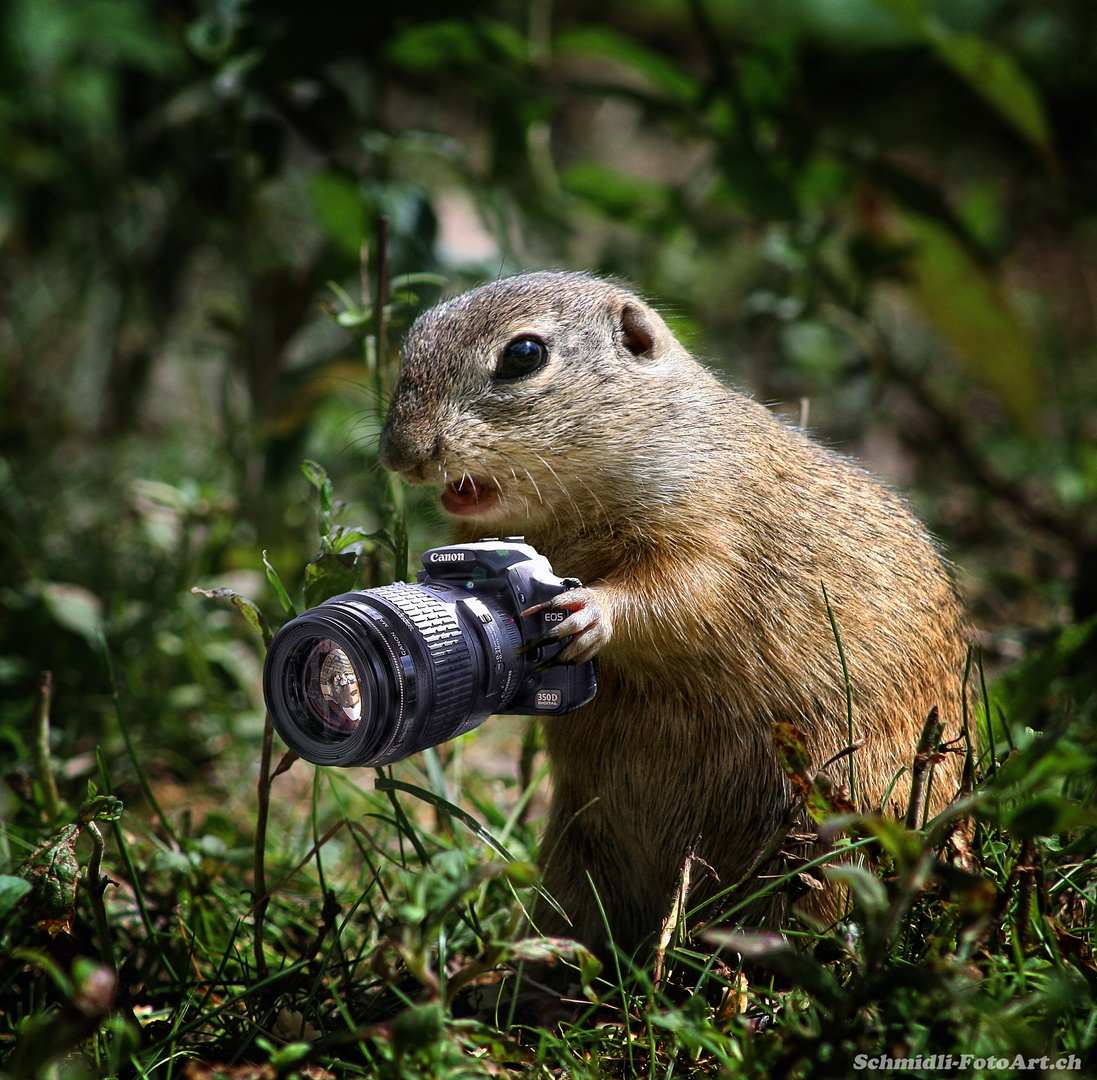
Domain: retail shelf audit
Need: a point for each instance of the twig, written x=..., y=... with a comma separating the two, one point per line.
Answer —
x=967, y=779
x=1025, y=871
x=844, y=752
x=382, y=297
x=363, y=271
x=924, y=757
x=674, y=916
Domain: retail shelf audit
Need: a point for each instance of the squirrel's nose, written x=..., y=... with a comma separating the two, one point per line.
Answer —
x=395, y=451
x=405, y=446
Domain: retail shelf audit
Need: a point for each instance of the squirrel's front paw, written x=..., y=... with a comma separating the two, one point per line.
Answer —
x=588, y=626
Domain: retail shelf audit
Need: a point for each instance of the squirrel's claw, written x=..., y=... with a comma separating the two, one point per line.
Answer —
x=587, y=626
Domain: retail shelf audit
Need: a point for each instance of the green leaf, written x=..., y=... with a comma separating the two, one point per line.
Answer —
x=546, y=951
x=434, y=44
x=416, y=1028
x=341, y=209
x=330, y=575
x=12, y=891
x=754, y=183
x=994, y=75
x=352, y=318
x=792, y=751
x=279, y=588
x=1047, y=758
x=53, y=871
x=986, y=67
x=459, y=43
x=94, y=988
x=354, y=314
x=344, y=537
x=1023, y=690
x=867, y=889
x=903, y=845
x=1048, y=815
x=614, y=193
x=422, y=277
x=821, y=798
x=248, y=608
x=317, y=475
x=75, y=608
x=663, y=74
x=967, y=306
x=289, y=1055
x=98, y=807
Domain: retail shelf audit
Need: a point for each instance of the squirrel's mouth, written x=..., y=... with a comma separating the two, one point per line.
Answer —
x=469, y=496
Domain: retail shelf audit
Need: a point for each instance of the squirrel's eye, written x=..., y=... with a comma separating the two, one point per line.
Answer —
x=523, y=356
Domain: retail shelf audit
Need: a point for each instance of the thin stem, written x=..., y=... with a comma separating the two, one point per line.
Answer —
x=382, y=381
x=96, y=885
x=967, y=781
x=131, y=871
x=724, y=77
x=383, y=231
x=849, y=693
x=42, y=764
x=142, y=778
x=259, y=883
x=986, y=711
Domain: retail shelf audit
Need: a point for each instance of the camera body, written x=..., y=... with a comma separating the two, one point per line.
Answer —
x=370, y=677
x=517, y=577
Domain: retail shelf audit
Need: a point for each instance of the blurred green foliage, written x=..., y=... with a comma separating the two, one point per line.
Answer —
x=883, y=206
x=880, y=213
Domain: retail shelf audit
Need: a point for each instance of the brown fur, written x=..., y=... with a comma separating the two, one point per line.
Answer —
x=704, y=527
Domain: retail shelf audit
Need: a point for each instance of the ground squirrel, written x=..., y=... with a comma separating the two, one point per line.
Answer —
x=561, y=407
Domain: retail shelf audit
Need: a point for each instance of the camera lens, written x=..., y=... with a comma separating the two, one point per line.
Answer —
x=325, y=696
x=368, y=678
x=331, y=688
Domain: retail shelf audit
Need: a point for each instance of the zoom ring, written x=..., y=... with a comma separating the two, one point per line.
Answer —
x=454, y=682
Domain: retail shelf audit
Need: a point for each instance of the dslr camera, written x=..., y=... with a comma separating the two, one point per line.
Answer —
x=370, y=677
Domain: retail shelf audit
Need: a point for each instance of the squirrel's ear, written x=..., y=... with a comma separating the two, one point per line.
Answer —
x=637, y=334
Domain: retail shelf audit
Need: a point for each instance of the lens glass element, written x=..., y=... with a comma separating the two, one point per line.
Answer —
x=331, y=689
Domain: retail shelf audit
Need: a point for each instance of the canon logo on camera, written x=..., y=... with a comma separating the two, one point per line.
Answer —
x=447, y=556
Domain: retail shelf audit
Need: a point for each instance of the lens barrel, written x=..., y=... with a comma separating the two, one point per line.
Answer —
x=370, y=677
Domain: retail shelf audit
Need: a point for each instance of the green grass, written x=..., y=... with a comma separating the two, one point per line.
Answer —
x=375, y=924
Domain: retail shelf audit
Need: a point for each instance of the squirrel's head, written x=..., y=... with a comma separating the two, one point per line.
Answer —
x=513, y=395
